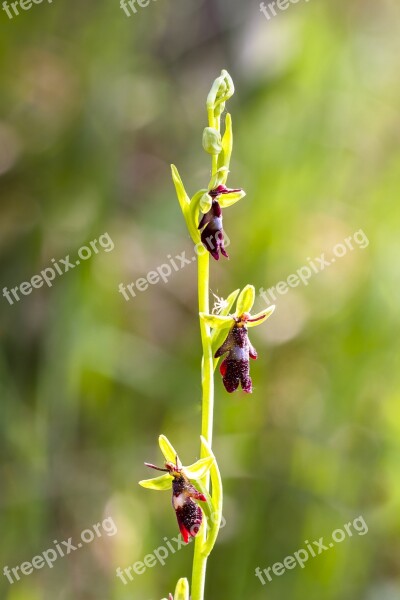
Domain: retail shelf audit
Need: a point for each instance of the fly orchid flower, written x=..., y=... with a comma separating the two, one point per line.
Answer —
x=178, y=478
x=235, y=368
x=212, y=235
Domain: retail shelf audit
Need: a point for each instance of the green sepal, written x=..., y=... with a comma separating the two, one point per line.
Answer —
x=162, y=483
x=246, y=300
x=216, y=321
x=167, y=449
x=229, y=302
x=199, y=469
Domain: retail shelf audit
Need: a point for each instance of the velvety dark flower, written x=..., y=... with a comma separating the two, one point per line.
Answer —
x=235, y=368
x=212, y=235
x=184, y=494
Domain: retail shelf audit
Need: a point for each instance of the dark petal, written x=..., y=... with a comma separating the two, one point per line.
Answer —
x=245, y=378
x=240, y=337
x=216, y=209
x=194, y=493
x=247, y=385
x=219, y=241
x=235, y=371
x=222, y=247
x=206, y=218
x=178, y=485
x=183, y=530
x=208, y=237
x=189, y=517
x=226, y=346
x=230, y=375
x=252, y=351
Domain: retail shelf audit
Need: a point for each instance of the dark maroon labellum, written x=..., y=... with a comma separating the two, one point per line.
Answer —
x=189, y=515
x=212, y=235
x=235, y=368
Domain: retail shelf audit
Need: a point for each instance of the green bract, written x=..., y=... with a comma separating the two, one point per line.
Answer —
x=224, y=158
x=184, y=202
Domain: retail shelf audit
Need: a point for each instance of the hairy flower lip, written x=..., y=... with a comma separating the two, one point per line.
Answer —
x=212, y=236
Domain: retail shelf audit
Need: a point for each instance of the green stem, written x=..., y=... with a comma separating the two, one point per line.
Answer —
x=200, y=559
x=207, y=381
x=207, y=375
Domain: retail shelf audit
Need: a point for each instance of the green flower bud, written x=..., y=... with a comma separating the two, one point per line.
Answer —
x=182, y=590
x=221, y=90
x=212, y=142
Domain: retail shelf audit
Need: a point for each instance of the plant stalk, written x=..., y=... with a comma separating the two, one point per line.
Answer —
x=207, y=381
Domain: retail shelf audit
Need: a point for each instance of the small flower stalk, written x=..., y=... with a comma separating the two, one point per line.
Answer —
x=197, y=494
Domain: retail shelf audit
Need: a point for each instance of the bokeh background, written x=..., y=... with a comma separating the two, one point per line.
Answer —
x=95, y=105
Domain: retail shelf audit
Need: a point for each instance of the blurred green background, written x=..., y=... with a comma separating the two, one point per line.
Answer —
x=95, y=105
